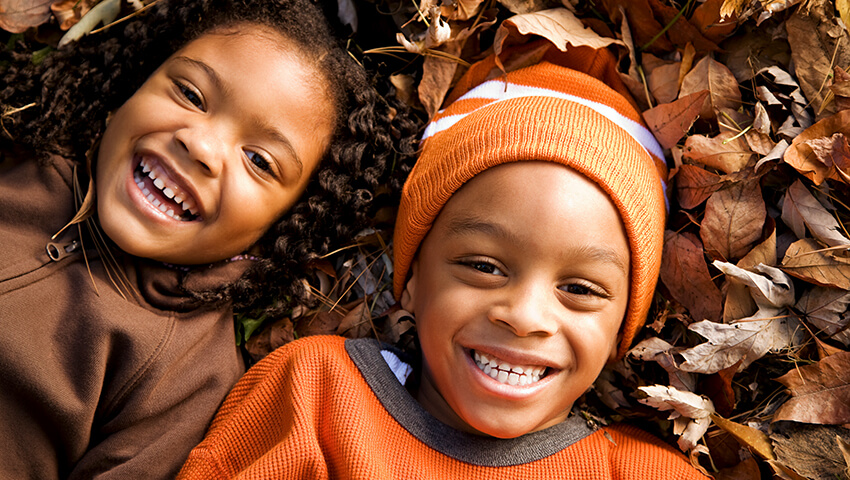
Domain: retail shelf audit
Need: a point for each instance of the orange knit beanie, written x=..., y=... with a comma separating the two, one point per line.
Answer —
x=570, y=108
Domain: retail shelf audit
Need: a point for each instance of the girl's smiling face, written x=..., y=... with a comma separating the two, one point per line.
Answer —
x=216, y=145
x=518, y=290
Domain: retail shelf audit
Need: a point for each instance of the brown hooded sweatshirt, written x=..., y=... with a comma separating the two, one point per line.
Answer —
x=92, y=384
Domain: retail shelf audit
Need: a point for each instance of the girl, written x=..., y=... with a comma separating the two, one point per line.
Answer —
x=182, y=146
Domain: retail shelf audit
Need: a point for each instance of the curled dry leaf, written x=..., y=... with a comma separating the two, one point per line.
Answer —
x=558, y=25
x=801, y=209
x=657, y=350
x=685, y=274
x=771, y=288
x=734, y=217
x=807, y=260
x=745, y=341
x=439, y=32
x=669, y=122
x=819, y=392
x=802, y=157
x=709, y=74
x=681, y=404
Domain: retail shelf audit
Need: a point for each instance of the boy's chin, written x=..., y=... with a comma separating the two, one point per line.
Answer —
x=512, y=429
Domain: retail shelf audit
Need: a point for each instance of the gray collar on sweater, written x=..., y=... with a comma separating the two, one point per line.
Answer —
x=373, y=359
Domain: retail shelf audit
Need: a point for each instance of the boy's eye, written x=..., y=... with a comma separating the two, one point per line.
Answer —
x=485, y=267
x=581, y=289
x=191, y=95
x=259, y=161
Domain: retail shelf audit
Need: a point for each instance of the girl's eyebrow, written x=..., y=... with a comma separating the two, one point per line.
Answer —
x=264, y=128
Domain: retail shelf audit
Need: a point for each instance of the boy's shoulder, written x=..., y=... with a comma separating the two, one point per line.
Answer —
x=643, y=455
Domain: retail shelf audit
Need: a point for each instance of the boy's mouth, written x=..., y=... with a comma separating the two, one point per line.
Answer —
x=162, y=194
x=504, y=372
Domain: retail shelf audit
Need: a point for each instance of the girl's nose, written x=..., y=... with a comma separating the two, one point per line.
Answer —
x=527, y=310
x=202, y=145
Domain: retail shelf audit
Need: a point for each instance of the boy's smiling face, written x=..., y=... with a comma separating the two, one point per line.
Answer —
x=216, y=145
x=525, y=268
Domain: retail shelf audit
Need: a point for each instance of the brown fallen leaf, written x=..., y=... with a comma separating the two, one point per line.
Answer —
x=356, y=323
x=669, y=122
x=818, y=42
x=718, y=387
x=725, y=152
x=820, y=393
x=807, y=260
x=710, y=23
x=811, y=450
x=643, y=25
x=685, y=274
x=462, y=9
x=748, y=469
x=18, y=15
x=825, y=308
x=840, y=87
x=679, y=30
x=734, y=217
x=662, y=77
x=709, y=74
x=695, y=184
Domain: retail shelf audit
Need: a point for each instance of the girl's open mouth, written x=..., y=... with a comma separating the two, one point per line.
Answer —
x=163, y=194
x=506, y=373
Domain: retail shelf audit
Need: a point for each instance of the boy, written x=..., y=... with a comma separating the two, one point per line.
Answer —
x=527, y=247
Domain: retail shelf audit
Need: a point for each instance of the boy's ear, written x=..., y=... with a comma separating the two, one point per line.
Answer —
x=408, y=295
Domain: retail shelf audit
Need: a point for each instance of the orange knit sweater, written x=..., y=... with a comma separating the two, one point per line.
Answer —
x=307, y=411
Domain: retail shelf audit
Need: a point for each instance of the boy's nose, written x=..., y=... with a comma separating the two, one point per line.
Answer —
x=526, y=311
x=204, y=146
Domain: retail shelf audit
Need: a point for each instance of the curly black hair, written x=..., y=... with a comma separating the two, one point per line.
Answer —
x=75, y=88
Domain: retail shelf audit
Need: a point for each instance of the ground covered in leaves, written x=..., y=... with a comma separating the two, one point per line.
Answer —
x=745, y=361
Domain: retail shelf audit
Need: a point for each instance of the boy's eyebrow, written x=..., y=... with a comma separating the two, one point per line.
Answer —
x=264, y=129
x=468, y=224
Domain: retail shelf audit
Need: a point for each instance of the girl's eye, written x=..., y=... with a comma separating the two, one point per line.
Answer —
x=191, y=95
x=259, y=161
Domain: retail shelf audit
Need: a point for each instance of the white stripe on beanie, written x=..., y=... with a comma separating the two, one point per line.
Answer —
x=498, y=90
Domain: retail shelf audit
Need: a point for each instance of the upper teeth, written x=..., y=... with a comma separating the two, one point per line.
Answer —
x=506, y=373
x=167, y=190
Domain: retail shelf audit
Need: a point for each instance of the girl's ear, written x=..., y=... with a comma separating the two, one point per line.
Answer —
x=408, y=296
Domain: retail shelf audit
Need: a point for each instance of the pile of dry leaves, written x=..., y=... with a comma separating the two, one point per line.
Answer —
x=745, y=363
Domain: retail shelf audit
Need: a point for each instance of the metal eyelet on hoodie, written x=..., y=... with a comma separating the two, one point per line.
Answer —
x=58, y=251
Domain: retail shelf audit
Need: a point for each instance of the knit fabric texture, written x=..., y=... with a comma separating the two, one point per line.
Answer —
x=570, y=108
x=307, y=412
